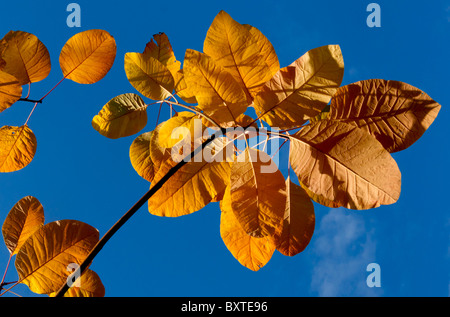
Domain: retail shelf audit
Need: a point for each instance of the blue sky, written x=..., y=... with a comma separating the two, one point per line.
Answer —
x=79, y=174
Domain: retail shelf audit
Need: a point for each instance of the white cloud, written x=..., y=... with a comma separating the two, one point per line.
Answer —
x=344, y=248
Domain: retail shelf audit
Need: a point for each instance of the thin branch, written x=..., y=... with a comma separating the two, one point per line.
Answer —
x=30, y=100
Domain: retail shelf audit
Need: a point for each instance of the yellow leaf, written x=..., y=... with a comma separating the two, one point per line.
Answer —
x=149, y=76
x=122, y=116
x=163, y=52
x=158, y=154
x=251, y=252
x=301, y=90
x=395, y=113
x=26, y=57
x=88, y=56
x=90, y=285
x=344, y=165
x=26, y=216
x=299, y=221
x=257, y=193
x=184, y=124
x=234, y=47
x=10, y=90
x=194, y=185
x=182, y=89
x=42, y=262
x=17, y=148
x=140, y=156
x=218, y=95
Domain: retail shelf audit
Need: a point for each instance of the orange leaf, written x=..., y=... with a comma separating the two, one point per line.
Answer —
x=17, y=148
x=10, y=90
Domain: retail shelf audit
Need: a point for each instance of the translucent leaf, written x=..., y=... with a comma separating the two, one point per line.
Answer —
x=158, y=154
x=182, y=89
x=344, y=165
x=17, y=148
x=184, y=124
x=257, y=193
x=90, y=285
x=122, y=116
x=10, y=90
x=149, y=76
x=299, y=221
x=396, y=113
x=26, y=57
x=88, y=56
x=42, y=262
x=163, y=52
x=140, y=156
x=218, y=95
x=194, y=185
x=235, y=48
x=251, y=252
x=26, y=216
x=301, y=90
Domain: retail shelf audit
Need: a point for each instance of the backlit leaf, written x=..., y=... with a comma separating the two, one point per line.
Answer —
x=149, y=76
x=179, y=127
x=140, y=156
x=26, y=216
x=17, y=148
x=122, y=116
x=301, y=90
x=88, y=56
x=182, y=89
x=194, y=185
x=10, y=90
x=26, y=57
x=345, y=165
x=396, y=113
x=218, y=94
x=251, y=252
x=163, y=52
x=257, y=193
x=43, y=259
x=158, y=154
x=232, y=46
x=90, y=285
x=299, y=221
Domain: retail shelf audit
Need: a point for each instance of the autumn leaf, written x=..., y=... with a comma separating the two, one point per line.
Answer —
x=299, y=221
x=26, y=216
x=239, y=50
x=25, y=56
x=149, y=76
x=218, y=95
x=395, y=113
x=10, y=90
x=344, y=165
x=140, y=156
x=90, y=285
x=122, y=116
x=182, y=89
x=17, y=148
x=43, y=259
x=195, y=184
x=250, y=251
x=88, y=56
x=257, y=193
x=158, y=154
x=184, y=124
x=301, y=90
x=163, y=52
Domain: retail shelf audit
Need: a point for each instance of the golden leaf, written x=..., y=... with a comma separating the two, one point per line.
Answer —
x=140, y=156
x=42, y=262
x=90, y=285
x=88, y=56
x=26, y=57
x=344, y=165
x=26, y=216
x=163, y=52
x=395, y=113
x=17, y=148
x=301, y=90
x=251, y=252
x=149, y=76
x=122, y=116
x=218, y=95
x=299, y=221
x=257, y=193
x=182, y=89
x=184, y=124
x=10, y=90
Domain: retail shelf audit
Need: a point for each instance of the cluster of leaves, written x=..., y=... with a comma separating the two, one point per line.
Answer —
x=44, y=252
x=340, y=137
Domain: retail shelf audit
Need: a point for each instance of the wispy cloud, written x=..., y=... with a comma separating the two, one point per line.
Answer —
x=343, y=248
